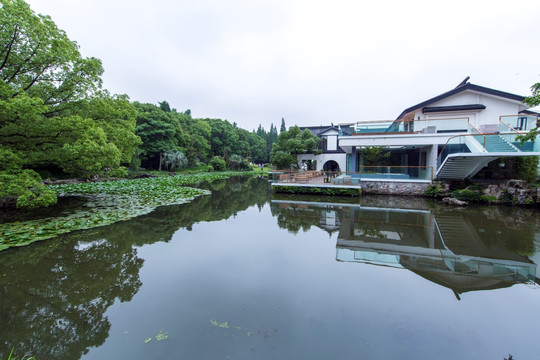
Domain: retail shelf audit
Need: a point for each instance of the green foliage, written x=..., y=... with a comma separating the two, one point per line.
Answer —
x=374, y=155
x=158, y=132
x=121, y=172
x=317, y=190
x=433, y=190
x=16, y=358
x=269, y=138
x=107, y=203
x=174, y=160
x=506, y=197
x=39, y=60
x=195, y=139
x=89, y=155
x=224, y=139
x=283, y=160
x=237, y=163
x=199, y=139
x=532, y=100
x=26, y=187
x=467, y=195
x=9, y=161
x=527, y=168
x=52, y=111
x=218, y=164
x=117, y=117
x=292, y=143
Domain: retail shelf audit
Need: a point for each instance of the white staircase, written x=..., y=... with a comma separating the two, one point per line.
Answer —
x=459, y=166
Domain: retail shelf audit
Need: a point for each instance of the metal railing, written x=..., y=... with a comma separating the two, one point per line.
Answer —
x=400, y=173
x=518, y=123
x=423, y=126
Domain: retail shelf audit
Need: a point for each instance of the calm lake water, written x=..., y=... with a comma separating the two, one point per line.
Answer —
x=247, y=274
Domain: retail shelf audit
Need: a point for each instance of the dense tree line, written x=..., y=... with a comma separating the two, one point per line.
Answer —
x=57, y=120
x=164, y=130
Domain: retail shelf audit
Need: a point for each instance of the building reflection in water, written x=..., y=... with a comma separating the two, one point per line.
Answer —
x=461, y=250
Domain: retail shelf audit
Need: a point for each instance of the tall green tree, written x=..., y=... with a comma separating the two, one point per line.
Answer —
x=257, y=145
x=223, y=137
x=53, y=113
x=292, y=143
x=195, y=140
x=271, y=139
x=283, y=127
x=116, y=115
x=39, y=60
x=157, y=130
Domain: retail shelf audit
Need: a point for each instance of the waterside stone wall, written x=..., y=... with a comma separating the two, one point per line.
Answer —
x=393, y=188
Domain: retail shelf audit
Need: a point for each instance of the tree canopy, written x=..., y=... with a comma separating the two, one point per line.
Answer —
x=532, y=100
x=53, y=113
x=291, y=143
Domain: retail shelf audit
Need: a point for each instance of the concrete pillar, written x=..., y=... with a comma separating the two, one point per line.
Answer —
x=354, y=159
x=432, y=158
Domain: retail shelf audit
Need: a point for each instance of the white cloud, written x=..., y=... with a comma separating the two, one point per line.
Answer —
x=311, y=62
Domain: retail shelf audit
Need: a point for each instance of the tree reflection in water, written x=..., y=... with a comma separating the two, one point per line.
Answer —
x=61, y=288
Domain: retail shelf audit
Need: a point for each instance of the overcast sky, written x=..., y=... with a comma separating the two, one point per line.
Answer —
x=311, y=62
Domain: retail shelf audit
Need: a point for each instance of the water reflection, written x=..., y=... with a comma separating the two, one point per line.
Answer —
x=463, y=250
x=54, y=294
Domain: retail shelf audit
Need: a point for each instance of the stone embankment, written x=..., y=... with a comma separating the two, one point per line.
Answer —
x=393, y=188
x=513, y=192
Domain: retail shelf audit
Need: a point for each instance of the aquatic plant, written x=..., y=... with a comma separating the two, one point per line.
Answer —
x=16, y=358
x=107, y=203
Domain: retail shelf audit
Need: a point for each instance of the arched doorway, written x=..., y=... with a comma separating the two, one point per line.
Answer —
x=331, y=165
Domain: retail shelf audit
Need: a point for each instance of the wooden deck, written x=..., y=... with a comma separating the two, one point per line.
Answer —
x=316, y=181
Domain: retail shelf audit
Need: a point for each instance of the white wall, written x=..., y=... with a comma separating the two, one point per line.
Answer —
x=341, y=159
x=495, y=107
x=331, y=142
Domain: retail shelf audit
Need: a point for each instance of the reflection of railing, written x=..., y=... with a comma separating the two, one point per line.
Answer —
x=424, y=126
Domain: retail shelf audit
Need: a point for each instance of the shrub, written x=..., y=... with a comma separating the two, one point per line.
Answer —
x=506, y=197
x=120, y=172
x=26, y=187
x=174, y=160
x=318, y=190
x=467, y=195
x=432, y=190
x=218, y=163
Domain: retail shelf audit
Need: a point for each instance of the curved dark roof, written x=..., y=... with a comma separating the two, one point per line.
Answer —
x=528, y=112
x=316, y=130
x=430, y=109
x=462, y=87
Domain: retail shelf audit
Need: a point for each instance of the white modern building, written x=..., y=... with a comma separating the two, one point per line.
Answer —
x=451, y=136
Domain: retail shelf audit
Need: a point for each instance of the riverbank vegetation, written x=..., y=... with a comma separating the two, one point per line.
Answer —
x=104, y=203
x=512, y=192
x=57, y=121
